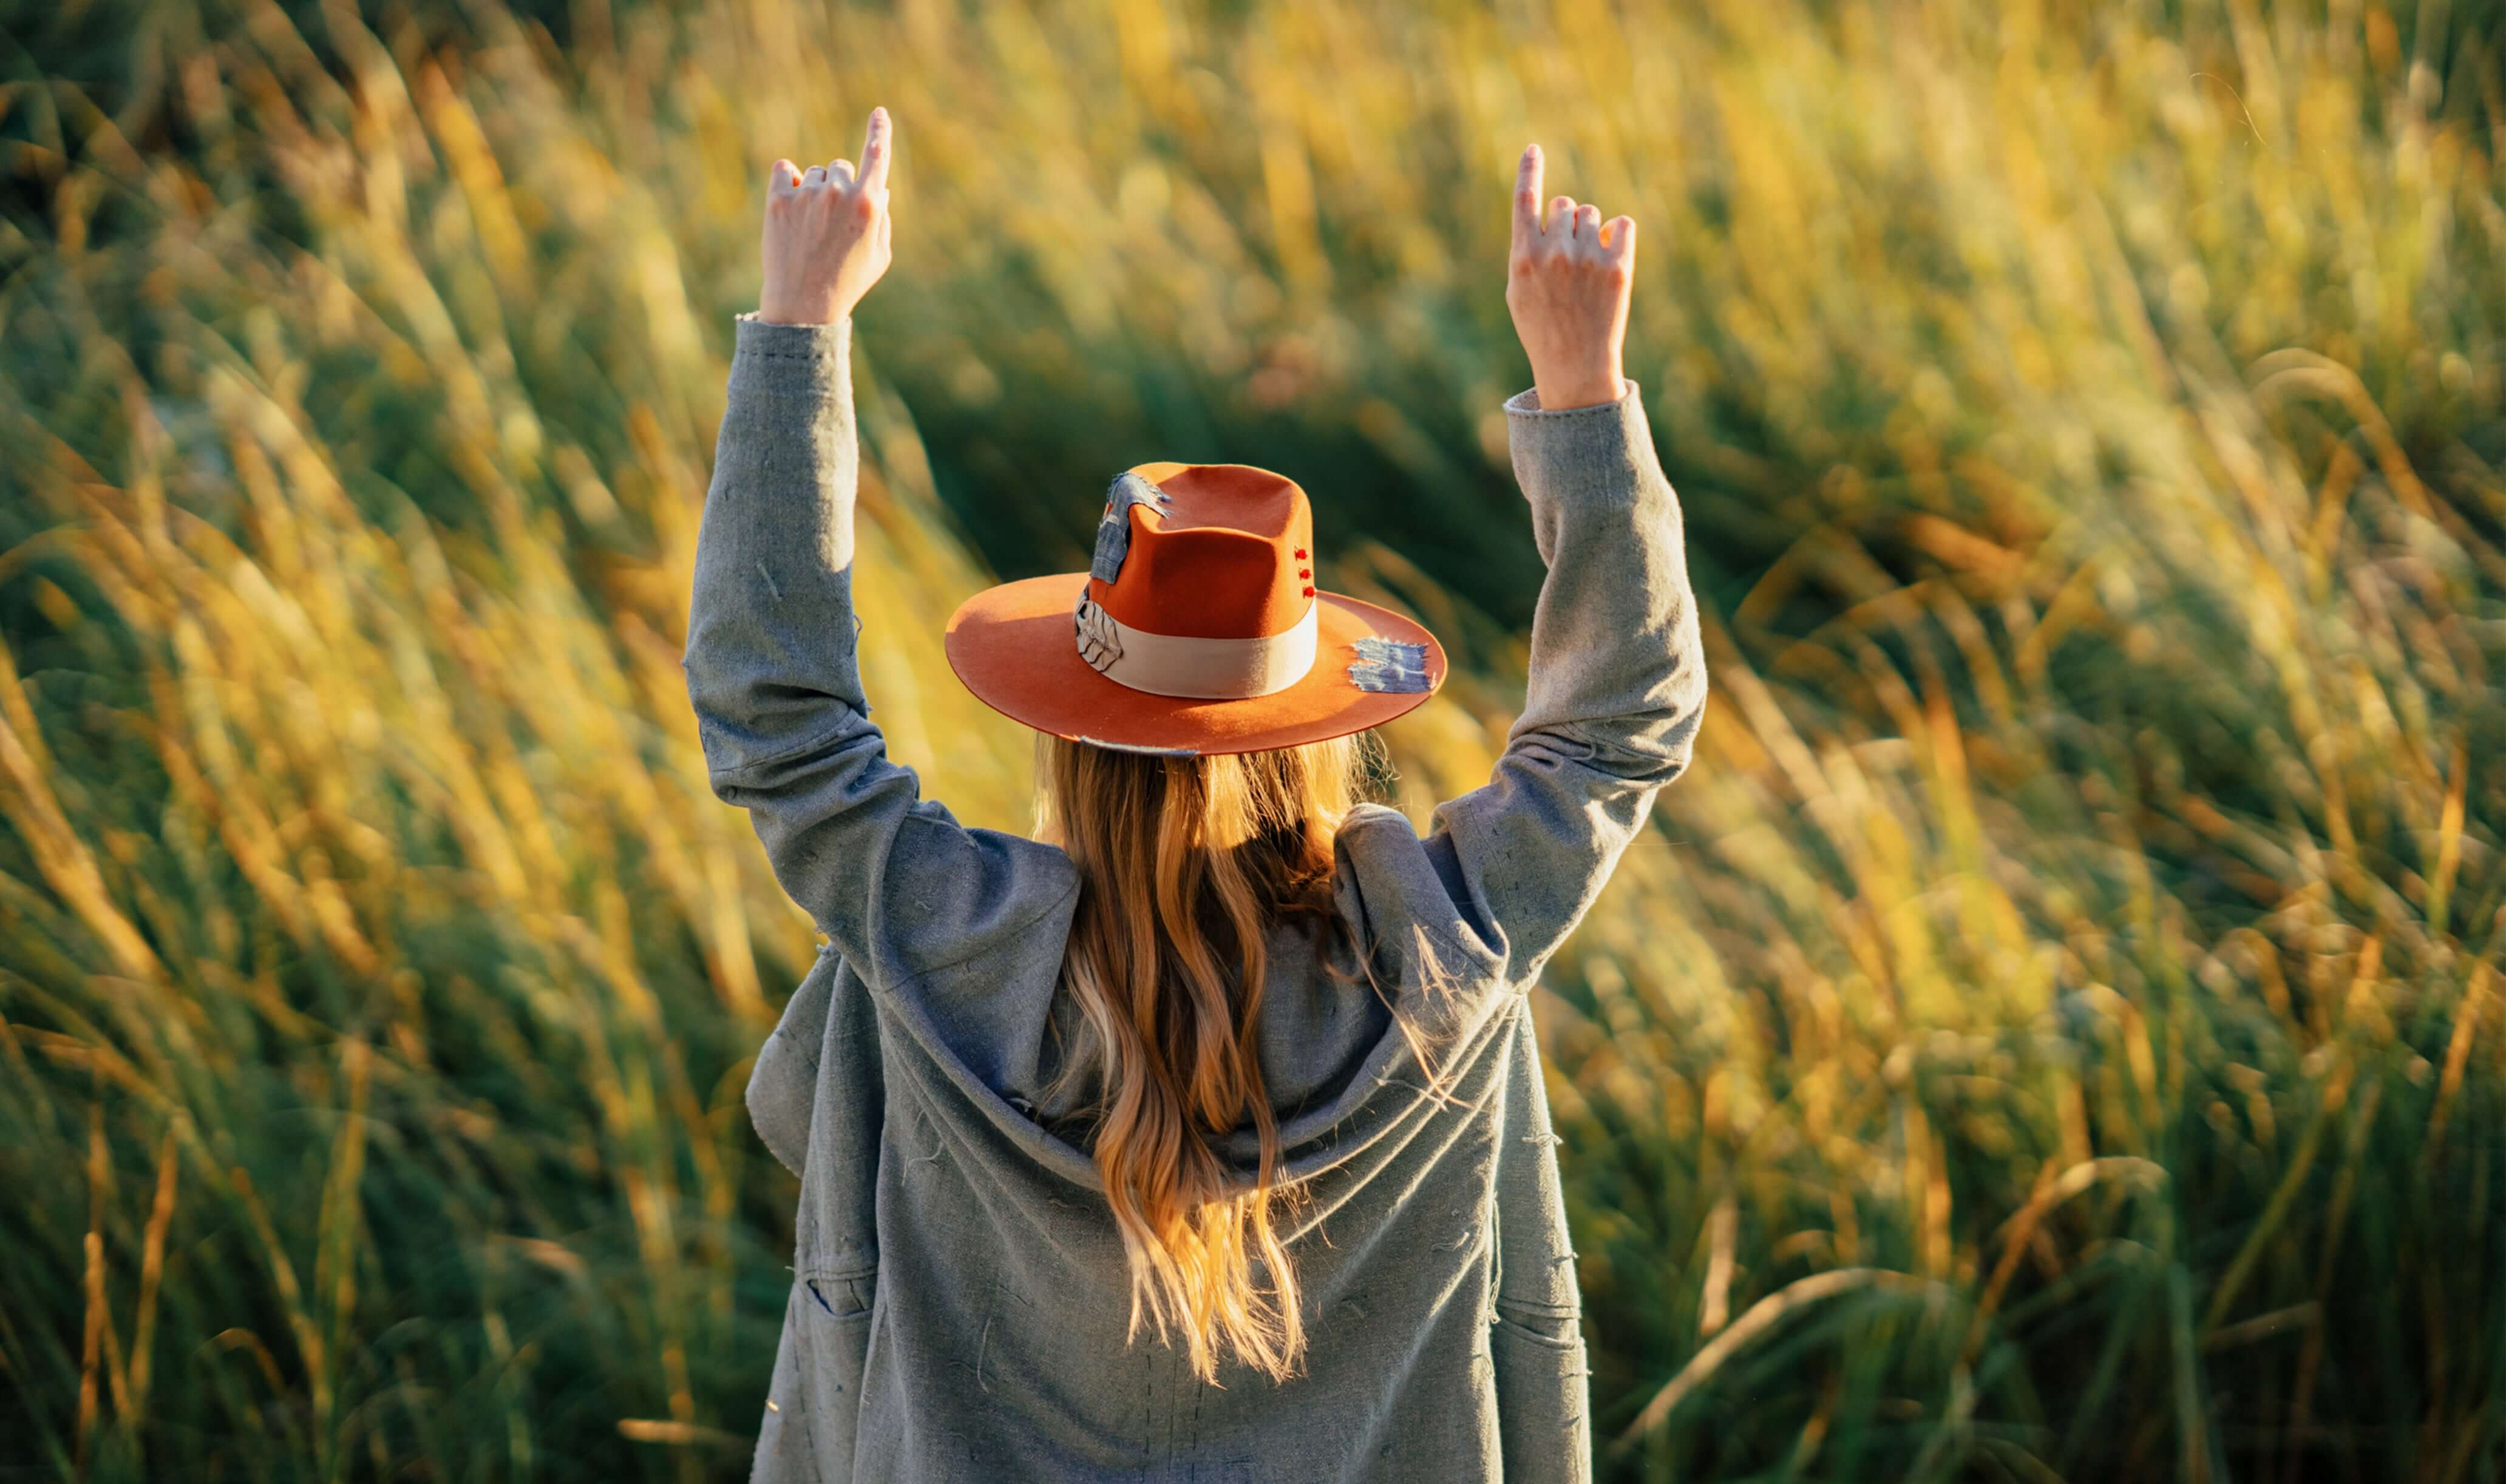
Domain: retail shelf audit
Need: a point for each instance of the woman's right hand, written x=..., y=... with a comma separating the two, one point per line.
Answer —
x=826, y=238
x=1567, y=283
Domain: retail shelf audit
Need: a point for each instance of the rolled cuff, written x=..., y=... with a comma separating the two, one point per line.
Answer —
x=1598, y=454
x=809, y=360
x=1529, y=400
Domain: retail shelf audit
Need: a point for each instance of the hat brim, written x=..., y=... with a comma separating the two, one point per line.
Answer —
x=1015, y=648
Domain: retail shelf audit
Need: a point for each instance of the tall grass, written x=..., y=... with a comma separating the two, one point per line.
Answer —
x=2054, y=1032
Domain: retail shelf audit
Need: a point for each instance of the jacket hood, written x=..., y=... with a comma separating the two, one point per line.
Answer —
x=1331, y=1037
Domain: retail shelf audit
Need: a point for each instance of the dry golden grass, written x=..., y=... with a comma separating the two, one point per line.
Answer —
x=2054, y=1032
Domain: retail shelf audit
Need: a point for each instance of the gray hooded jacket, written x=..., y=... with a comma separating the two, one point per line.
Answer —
x=960, y=1293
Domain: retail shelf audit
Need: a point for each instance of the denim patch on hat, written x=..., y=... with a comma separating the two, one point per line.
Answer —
x=1114, y=528
x=1389, y=665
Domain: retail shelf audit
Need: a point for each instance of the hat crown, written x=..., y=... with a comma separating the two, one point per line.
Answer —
x=1222, y=552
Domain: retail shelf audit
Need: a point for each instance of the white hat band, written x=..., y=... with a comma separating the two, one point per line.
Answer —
x=1204, y=669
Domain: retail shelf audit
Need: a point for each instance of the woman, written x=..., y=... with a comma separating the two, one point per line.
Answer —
x=1202, y=1138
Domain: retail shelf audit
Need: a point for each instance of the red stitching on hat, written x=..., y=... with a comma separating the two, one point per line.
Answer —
x=1310, y=592
x=1304, y=572
x=1301, y=554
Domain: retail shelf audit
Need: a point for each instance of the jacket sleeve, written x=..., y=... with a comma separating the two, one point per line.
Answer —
x=1616, y=689
x=894, y=880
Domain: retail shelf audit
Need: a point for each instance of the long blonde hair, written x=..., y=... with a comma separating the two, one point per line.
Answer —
x=1186, y=864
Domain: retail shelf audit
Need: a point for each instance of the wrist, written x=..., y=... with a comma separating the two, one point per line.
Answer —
x=1566, y=393
x=772, y=312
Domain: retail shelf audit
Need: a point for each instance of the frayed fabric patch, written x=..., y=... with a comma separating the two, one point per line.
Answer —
x=1114, y=527
x=1389, y=665
x=1101, y=643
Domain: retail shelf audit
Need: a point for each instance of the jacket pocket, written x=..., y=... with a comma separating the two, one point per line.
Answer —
x=832, y=1314
x=1543, y=1418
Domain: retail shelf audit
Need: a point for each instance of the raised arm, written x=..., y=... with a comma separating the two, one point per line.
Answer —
x=1618, y=676
x=892, y=878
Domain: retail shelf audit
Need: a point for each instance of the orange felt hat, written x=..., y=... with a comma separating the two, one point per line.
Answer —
x=1196, y=628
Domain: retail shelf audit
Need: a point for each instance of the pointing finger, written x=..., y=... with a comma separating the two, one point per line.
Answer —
x=875, y=152
x=1526, y=197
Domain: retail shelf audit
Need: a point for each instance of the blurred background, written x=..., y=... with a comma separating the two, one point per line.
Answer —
x=2051, y=1033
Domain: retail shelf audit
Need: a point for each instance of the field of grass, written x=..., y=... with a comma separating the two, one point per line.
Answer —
x=2054, y=1032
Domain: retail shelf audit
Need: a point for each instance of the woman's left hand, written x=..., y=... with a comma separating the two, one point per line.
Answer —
x=826, y=234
